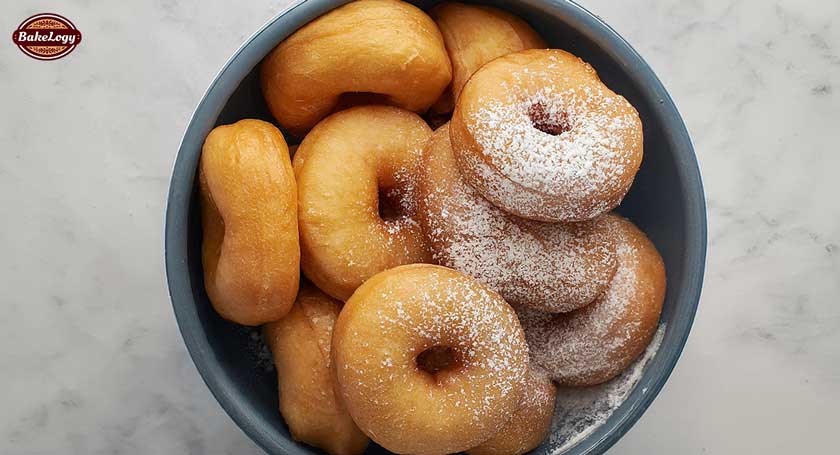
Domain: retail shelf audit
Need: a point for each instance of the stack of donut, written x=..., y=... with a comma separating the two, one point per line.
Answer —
x=452, y=276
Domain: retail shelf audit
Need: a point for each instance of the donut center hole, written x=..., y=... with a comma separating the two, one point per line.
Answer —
x=350, y=99
x=548, y=122
x=390, y=205
x=437, y=359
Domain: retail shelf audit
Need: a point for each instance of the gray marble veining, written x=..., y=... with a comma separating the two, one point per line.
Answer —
x=91, y=358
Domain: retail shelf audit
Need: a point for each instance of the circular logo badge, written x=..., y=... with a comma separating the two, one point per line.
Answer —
x=47, y=36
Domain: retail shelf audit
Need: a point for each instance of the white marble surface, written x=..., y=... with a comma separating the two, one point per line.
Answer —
x=91, y=361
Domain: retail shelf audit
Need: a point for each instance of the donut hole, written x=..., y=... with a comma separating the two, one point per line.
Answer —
x=437, y=359
x=549, y=122
x=390, y=205
x=351, y=99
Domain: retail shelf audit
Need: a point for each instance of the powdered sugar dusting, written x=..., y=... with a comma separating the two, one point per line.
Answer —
x=554, y=267
x=473, y=324
x=536, y=393
x=402, y=194
x=402, y=198
x=585, y=343
x=393, y=239
x=476, y=324
x=580, y=411
x=589, y=156
x=503, y=189
x=598, y=341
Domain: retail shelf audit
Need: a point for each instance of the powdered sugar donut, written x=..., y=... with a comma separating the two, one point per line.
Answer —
x=597, y=342
x=539, y=135
x=428, y=361
x=553, y=267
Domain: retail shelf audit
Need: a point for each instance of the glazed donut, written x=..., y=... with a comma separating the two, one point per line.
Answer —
x=355, y=182
x=552, y=267
x=474, y=35
x=250, y=249
x=383, y=50
x=530, y=423
x=539, y=135
x=428, y=361
x=596, y=343
x=300, y=345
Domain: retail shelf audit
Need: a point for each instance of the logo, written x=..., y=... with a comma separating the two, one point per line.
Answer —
x=47, y=36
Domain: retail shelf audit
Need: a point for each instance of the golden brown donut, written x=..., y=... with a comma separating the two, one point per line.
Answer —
x=383, y=50
x=597, y=342
x=250, y=249
x=530, y=423
x=539, y=135
x=355, y=175
x=300, y=344
x=474, y=35
x=428, y=361
x=552, y=267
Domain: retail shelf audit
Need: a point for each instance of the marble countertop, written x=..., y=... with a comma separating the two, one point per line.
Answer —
x=91, y=358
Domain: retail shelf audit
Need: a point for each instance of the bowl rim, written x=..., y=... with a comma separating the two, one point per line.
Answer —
x=242, y=61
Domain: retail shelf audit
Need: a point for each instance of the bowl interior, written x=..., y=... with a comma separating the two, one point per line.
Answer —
x=666, y=201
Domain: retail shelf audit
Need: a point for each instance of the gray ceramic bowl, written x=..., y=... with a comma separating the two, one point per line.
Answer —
x=666, y=202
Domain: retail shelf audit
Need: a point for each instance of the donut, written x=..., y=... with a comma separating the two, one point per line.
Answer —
x=300, y=344
x=355, y=182
x=540, y=136
x=553, y=267
x=597, y=342
x=386, y=51
x=428, y=361
x=474, y=35
x=530, y=423
x=250, y=251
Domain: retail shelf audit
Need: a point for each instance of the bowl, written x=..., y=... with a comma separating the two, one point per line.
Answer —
x=666, y=201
